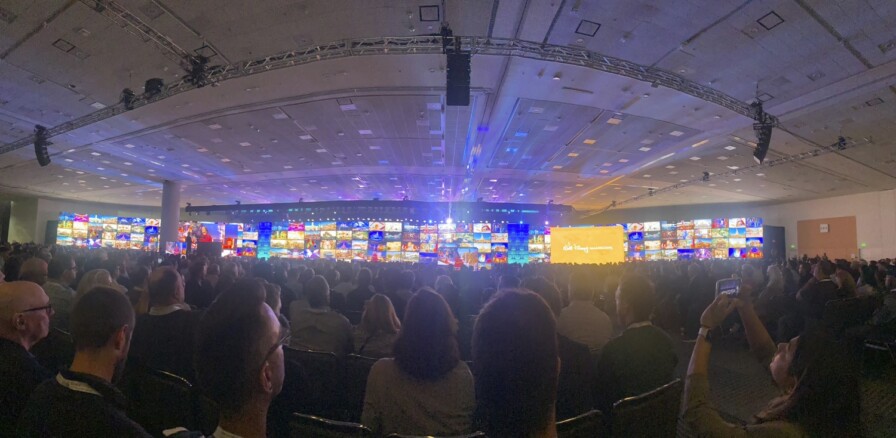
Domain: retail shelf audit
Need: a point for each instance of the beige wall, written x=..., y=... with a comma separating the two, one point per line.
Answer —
x=837, y=241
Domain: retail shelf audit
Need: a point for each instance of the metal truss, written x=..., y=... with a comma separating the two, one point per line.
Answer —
x=410, y=45
x=848, y=143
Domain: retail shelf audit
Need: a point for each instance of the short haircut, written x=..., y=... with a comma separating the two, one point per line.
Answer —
x=196, y=268
x=515, y=361
x=272, y=295
x=162, y=284
x=826, y=268
x=509, y=282
x=228, y=346
x=426, y=347
x=59, y=265
x=97, y=315
x=547, y=291
x=33, y=270
x=317, y=291
x=581, y=286
x=636, y=291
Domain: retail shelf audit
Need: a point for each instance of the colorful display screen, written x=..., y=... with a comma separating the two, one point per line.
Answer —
x=587, y=245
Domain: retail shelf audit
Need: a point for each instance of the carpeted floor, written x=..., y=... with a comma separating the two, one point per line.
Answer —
x=741, y=387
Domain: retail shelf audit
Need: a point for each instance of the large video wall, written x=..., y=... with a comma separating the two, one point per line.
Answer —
x=472, y=244
x=94, y=231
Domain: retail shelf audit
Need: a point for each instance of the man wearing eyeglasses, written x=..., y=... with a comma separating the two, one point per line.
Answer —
x=61, y=273
x=239, y=359
x=24, y=319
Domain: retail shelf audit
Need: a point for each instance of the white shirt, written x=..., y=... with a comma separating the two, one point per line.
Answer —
x=580, y=321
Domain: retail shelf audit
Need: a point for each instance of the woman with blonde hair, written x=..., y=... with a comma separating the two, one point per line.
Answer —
x=94, y=278
x=378, y=329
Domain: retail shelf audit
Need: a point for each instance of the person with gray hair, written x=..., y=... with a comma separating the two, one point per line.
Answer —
x=318, y=327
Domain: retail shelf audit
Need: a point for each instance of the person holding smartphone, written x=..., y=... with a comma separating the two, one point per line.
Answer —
x=821, y=394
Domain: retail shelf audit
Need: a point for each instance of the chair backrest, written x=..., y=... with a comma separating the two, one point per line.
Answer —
x=848, y=312
x=353, y=316
x=301, y=426
x=653, y=414
x=472, y=435
x=325, y=375
x=159, y=400
x=55, y=351
x=356, y=370
x=588, y=425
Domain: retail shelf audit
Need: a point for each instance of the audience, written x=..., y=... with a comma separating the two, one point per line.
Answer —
x=95, y=278
x=239, y=359
x=516, y=364
x=318, y=327
x=61, y=274
x=34, y=270
x=354, y=300
x=643, y=357
x=163, y=337
x=198, y=291
x=580, y=321
x=425, y=389
x=378, y=329
x=25, y=312
x=820, y=384
x=83, y=400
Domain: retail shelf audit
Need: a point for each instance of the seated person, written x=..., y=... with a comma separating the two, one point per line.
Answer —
x=581, y=321
x=821, y=397
x=317, y=327
x=239, y=360
x=643, y=357
x=378, y=329
x=34, y=270
x=61, y=274
x=516, y=363
x=83, y=400
x=24, y=320
x=163, y=338
x=426, y=389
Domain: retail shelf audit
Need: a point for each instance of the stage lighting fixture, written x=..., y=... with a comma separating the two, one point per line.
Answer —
x=189, y=204
x=153, y=87
x=237, y=202
x=841, y=143
x=613, y=204
x=651, y=191
x=705, y=176
x=127, y=98
x=40, y=145
x=198, y=71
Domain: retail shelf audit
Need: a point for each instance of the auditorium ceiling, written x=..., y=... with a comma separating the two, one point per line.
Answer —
x=373, y=122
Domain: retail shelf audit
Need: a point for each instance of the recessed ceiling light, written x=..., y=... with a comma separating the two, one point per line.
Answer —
x=557, y=167
x=700, y=143
x=646, y=176
x=375, y=148
x=79, y=172
x=129, y=146
x=604, y=171
x=694, y=158
x=722, y=157
x=572, y=154
x=760, y=174
x=644, y=149
x=730, y=147
x=589, y=141
x=733, y=167
x=737, y=180
x=320, y=151
x=225, y=160
x=95, y=154
x=69, y=160
x=214, y=126
x=365, y=132
x=245, y=143
x=647, y=141
x=266, y=156
x=676, y=133
x=673, y=173
x=614, y=121
x=670, y=167
x=202, y=150
x=623, y=160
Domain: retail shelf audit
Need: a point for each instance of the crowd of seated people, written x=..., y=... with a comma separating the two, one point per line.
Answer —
x=508, y=351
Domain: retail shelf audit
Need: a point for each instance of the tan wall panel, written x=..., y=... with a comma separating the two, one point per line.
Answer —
x=839, y=242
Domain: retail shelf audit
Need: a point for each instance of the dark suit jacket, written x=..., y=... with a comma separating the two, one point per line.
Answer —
x=21, y=374
x=639, y=360
x=165, y=342
x=199, y=294
x=575, y=380
x=813, y=297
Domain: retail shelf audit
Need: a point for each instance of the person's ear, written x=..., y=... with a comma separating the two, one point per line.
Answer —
x=121, y=338
x=267, y=382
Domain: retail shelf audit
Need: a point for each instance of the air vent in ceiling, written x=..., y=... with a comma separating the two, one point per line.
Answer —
x=587, y=28
x=429, y=13
x=874, y=102
x=63, y=45
x=7, y=16
x=770, y=21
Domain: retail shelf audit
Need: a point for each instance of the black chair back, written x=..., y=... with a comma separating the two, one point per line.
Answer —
x=356, y=370
x=302, y=426
x=353, y=316
x=158, y=400
x=588, y=425
x=840, y=315
x=55, y=351
x=653, y=414
x=472, y=435
x=324, y=381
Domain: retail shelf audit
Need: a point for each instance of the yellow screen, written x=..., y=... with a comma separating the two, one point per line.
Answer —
x=591, y=245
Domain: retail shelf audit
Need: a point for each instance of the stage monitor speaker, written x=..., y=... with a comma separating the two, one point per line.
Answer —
x=209, y=249
x=458, y=77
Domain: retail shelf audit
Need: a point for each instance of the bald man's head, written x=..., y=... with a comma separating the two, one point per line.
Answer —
x=24, y=312
x=34, y=270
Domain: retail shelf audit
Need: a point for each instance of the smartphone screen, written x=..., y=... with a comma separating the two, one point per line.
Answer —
x=728, y=286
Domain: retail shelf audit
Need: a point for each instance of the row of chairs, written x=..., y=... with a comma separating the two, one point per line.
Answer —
x=653, y=414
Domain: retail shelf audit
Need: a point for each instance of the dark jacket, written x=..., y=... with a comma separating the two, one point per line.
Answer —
x=165, y=342
x=21, y=374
